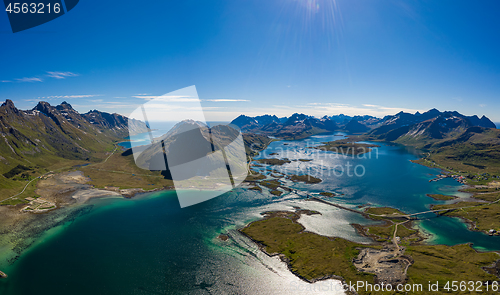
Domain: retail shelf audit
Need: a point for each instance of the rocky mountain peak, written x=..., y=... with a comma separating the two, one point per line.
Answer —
x=9, y=104
x=43, y=107
x=295, y=118
x=66, y=105
x=433, y=111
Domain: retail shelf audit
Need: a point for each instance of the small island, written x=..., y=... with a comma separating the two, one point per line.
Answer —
x=303, y=160
x=274, y=162
x=440, y=197
x=304, y=178
x=254, y=177
x=255, y=188
x=395, y=256
x=273, y=185
x=328, y=194
x=223, y=237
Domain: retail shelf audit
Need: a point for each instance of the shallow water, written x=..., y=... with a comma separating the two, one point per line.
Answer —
x=148, y=245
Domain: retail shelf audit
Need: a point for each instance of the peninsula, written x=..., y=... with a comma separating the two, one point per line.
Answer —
x=396, y=255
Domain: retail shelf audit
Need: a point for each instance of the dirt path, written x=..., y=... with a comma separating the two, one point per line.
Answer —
x=26, y=186
x=396, y=245
x=116, y=147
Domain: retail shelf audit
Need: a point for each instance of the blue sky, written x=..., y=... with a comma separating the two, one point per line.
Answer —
x=254, y=57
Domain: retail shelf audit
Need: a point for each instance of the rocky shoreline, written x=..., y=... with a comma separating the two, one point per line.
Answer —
x=68, y=193
x=386, y=261
x=294, y=216
x=385, y=264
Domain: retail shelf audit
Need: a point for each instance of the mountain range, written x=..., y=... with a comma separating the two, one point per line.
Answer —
x=45, y=133
x=432, y=124
x=467, y=143
x=191, y=149
x=427, y=128
x=295, y=127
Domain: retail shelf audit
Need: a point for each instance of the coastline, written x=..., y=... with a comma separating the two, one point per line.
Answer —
x=70, y=190
x=20, y=229
x=417, y=240
x=471, y=225
x=351, y=265
x=466, y=188
x=386, y=261
x=282, y=257
x=82, y=194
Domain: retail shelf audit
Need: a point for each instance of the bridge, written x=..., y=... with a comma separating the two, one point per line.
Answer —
x=392, y=216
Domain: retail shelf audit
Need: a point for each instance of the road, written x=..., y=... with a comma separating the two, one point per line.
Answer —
x=116, y=147
x=394, y=216
x=395, y=234
x=26, y=186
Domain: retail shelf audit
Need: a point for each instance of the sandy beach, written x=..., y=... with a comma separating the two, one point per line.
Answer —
x=69, y=191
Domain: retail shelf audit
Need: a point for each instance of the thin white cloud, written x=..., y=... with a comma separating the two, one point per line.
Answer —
x=143, y=94
x=283, y=107
x=56, y=75
x=183, y=99
x=72, y=96
x=391, y=110
x=102, y=101
x=106, y=106
x=114, y=106
x=313, y=109
x=146, y=97
x=366, y=109
x=61, y=75
x=169, y=98
x=32, y=79
x=213, y=108
x=482, y=105
x=225, y=100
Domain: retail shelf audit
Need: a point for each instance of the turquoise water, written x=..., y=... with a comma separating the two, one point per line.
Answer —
x=148, y=245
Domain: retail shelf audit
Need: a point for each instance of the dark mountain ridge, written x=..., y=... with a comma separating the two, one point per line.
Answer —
x=427, y=128
x=47, y=132
x=432, y=124
x=294, y=127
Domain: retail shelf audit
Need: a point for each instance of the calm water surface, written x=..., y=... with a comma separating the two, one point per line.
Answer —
x=148, y=245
